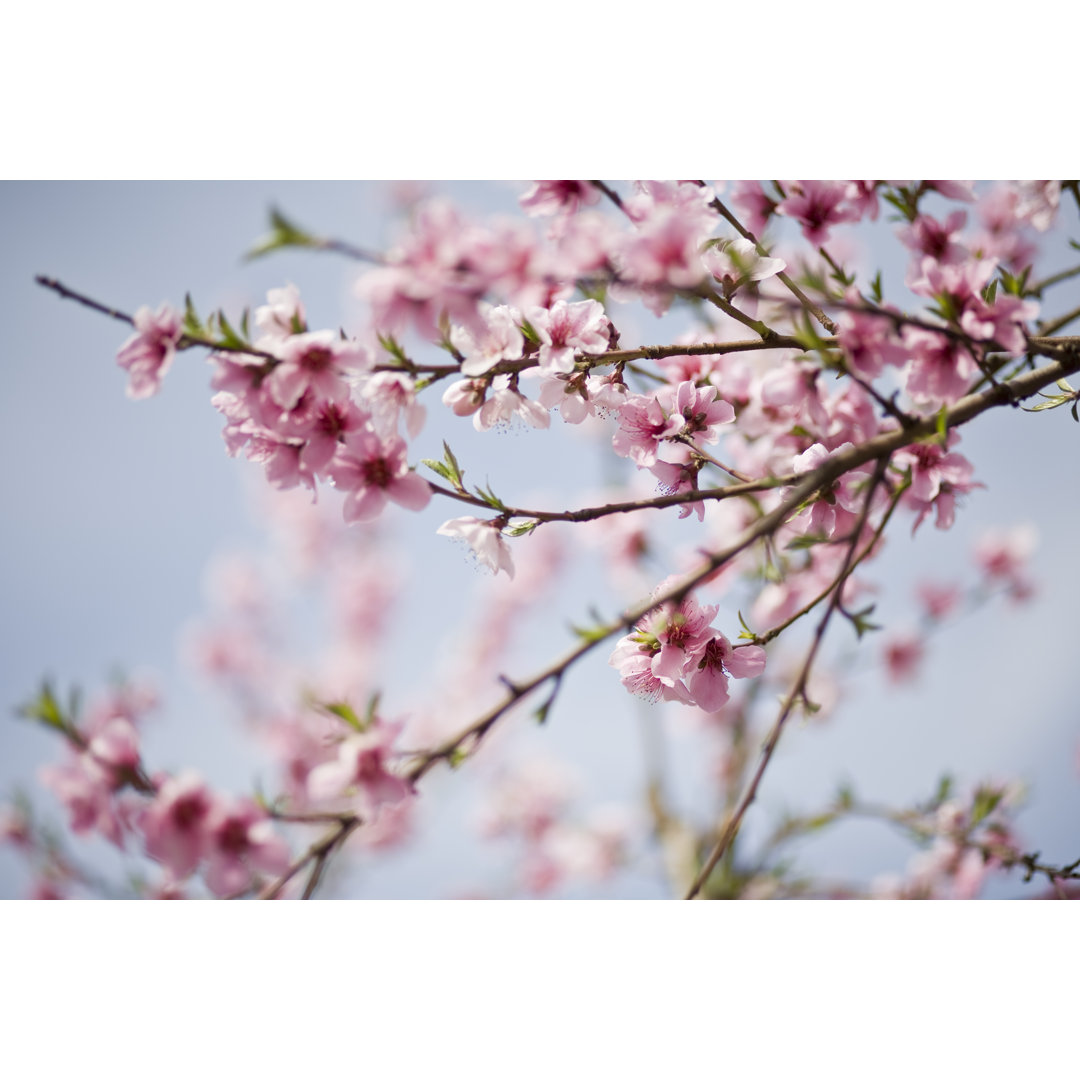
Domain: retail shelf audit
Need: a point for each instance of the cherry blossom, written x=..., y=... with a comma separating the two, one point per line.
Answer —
x=360, y=773
x=148, y=355
x=485, y=539
x=370, y=471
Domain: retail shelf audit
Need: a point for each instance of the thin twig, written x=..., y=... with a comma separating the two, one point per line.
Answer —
x=734, y=820
x=782, y=277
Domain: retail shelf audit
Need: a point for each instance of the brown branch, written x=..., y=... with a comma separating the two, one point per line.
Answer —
x=734, y=819
x=186, y=340
x=782, y=277
x=320, y=852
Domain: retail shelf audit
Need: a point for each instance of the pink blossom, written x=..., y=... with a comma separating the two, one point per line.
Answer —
x=86, y=790
x=505, y=403
x=565, y=328
x=466, y=396
x=176, y=824
x=148, y=355
x=708, y=684
x=938, y=601
x=501, y=339
x=642, y=425
x=360, y=770
x=15, y=828
x=241, y=840
x=429, y=275
x=1038, y=203
x=317, y=362
x=818, y=205
x=633, y=659
x=928, y=236
x=735, y=262
x=283, y=313
x=673, y=223
x=753, y=204
x=940, y=369
x=548, y=197
x=485, y=539
x=569, y=394
x=903, y=655
x=372, y=470
x=676, y=636
x=1001, y=322
x=697, y=412
x=870, y=342
x=390, y=395
x=862, y=194
x=960, y=190
x=331, y=422
x=937, y=477
x=677, y=477
x=1002, y=556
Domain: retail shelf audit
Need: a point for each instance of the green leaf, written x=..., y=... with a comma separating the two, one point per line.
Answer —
x=799, y=543
x=530, y=333
x=390, y=344
x=283, y=234
x=46, y=709
x=344, y=711
x=591, y=633
x=985, y=803
x=747, y=634
x=492, y=499
x=941, y=425
x=437, y=467
x=861, y=622
x=876, y=293
x=370, y=713
x=944, y=789
x=522, y=529
x=192, y=323
x=229, y=336
x=448, y=469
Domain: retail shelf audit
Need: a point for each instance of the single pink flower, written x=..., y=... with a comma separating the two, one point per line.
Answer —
x=148, y=355
x=818, y=205
x=564, y=329
x=485, y=539
x=360, y=770
x=500, y=340
x=547, y=197
x=708, y=683
x=903, y=655
x=176, y=824
x=317, y=362
x=371, y=471
x=241, y=840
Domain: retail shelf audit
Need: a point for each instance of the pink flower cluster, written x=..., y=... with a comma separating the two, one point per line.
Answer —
x=297, y=416
x=675, y=654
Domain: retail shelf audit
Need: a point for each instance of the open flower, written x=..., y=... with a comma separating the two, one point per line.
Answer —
x=360, y=770
x=148, y=354
x=486, y=540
